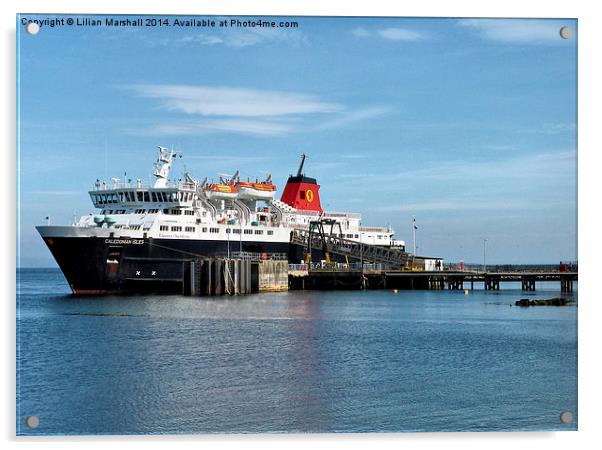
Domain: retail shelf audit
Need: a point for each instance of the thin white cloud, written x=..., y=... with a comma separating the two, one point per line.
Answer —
x=238, y=125
x=233, y=38
x=354, y=155
x=244, y=38
x=350, y=117
x=518, y=31
x=361, y=32
x=400, y=34
x=542, y=166
x=247, y=111
x=544, y=170
x=552, y=128
x=392, y=34
x=233, y=101
x=454, y=205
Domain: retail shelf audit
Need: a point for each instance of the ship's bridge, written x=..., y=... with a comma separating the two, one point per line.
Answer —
x=174, y=195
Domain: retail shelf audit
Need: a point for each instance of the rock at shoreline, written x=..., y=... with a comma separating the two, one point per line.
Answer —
x=556, y=301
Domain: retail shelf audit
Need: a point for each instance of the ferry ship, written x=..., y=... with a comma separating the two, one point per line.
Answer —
x=140, y=236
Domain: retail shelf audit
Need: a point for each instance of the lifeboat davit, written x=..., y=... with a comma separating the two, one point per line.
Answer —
x=260, y=190
x=221, y=191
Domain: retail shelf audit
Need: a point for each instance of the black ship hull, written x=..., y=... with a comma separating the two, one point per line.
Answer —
x=99, y=265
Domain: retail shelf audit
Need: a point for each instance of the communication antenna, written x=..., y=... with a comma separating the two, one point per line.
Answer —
x=300, y=171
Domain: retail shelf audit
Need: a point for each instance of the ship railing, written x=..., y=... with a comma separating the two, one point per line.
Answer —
x=342, y=214
x=252, y=256
x=337, y=266
x=138, y=184
x=375, y=229
x=307, y=213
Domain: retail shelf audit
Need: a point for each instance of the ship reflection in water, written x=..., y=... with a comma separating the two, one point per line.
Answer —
x=292, y=362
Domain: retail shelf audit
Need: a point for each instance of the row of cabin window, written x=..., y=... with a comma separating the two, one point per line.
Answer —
x=188, y=212
x=127, y=227
x=177, y=228
x=212, y=230
x=178, y=212
x=142, y=196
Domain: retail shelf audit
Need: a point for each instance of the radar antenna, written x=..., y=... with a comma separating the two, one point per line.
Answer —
x=163, y=165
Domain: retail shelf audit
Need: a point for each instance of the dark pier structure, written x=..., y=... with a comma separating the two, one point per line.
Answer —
x=340, y=278
x=348, y=264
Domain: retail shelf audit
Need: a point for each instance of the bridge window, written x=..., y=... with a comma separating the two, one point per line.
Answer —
x=258, y=231
x=163, y=228
x=178, y=228
x=189, y=212
x=248, y=231
x=154, y=196
x=190, y=229
x=213, y=230
x=236, y=230
x=146, y=196
x=204, y=229
x=139, y=196
x=270, y=232
x=227, y=230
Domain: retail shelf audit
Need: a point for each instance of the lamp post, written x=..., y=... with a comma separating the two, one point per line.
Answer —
x=414, y=228
x=484, y=255
x=361, y=253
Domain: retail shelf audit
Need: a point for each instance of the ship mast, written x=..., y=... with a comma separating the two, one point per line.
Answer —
x=162, y=166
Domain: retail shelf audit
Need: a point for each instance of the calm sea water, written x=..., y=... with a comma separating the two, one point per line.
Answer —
x=371, y=361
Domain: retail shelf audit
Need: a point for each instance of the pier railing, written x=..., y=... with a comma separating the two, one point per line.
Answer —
x=252, y=256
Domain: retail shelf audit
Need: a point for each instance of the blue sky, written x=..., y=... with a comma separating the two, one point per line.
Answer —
x=469, y=125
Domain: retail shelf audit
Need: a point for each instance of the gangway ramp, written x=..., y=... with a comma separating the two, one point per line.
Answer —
x=334, y=245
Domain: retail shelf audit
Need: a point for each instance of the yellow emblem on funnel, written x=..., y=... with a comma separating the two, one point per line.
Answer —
x=309, y=195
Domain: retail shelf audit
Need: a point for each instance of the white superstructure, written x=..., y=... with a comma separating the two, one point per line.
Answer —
x=229, y=210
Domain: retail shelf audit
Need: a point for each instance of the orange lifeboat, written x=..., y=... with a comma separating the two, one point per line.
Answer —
x=260, y=190
x=221, y=191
